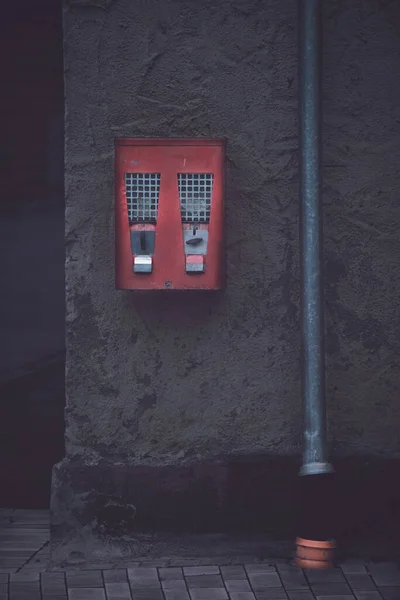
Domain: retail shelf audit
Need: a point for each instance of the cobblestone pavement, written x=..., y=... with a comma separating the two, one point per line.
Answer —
x=25, y=575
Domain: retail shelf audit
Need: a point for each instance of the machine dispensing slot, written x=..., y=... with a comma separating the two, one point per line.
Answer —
x=195, y=241
x=143, y=264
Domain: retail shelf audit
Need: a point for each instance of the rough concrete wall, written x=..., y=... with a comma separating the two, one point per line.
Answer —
x=362, y=216
x=167, y=378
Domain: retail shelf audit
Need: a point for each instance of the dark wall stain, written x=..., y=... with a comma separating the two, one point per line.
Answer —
x=146, y=402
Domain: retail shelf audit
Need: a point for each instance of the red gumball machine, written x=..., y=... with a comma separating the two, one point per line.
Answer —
x=169, y=214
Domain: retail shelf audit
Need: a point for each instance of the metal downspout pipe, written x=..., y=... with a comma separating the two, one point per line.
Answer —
x=315, y=545
x=315, y=460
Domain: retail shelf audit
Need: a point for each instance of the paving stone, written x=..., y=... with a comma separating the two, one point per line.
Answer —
x=260, y=568
x=353, y=568
x=5, y=596
x=386, y=567
x=118, y=591
x=368, y=595
x=209, y=594
x=237, y=585
x=24, y=596
x=361, y=582
x=383, y=567
x=390, y=593
x=86, y=594
x=143, y=577
x=143, y=573
x=24, y=587
x=292, y=577
x=300, y=595
x=25, y=576
x=206, y=570
x=53, y=583
x=3, y=588
x=242, y=596
x=4, y=577
x=170, y=573
x=337, y=597
x=232, y=572
x=145, y=584
x=52, y=597
x=147, y=593
x=34, y=569
x=204, y=581
x=115, y=575
x=385, y=574
x=86, y=579
x=287, y=568
x=333, y=589
x=176, y=595
x=150, y=564
x=325, y=576
x=175, y=584
x=272, y=594
x=260, y=581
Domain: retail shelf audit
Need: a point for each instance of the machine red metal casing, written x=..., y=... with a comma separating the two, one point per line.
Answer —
x=169, y=214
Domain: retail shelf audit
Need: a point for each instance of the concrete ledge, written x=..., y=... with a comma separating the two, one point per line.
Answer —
x=113, y=510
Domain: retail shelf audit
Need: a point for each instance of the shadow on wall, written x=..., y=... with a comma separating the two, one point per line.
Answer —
x=32, y=310
x=32, y=183
x=32, y=252
x=32, y=436
x=176, y=306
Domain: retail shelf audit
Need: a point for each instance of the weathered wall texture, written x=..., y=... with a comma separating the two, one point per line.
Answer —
x=165, y=379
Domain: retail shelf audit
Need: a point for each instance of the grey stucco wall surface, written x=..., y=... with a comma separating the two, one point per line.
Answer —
x=169, y=378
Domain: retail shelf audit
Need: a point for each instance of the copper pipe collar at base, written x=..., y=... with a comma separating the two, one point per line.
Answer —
x=314, y=554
